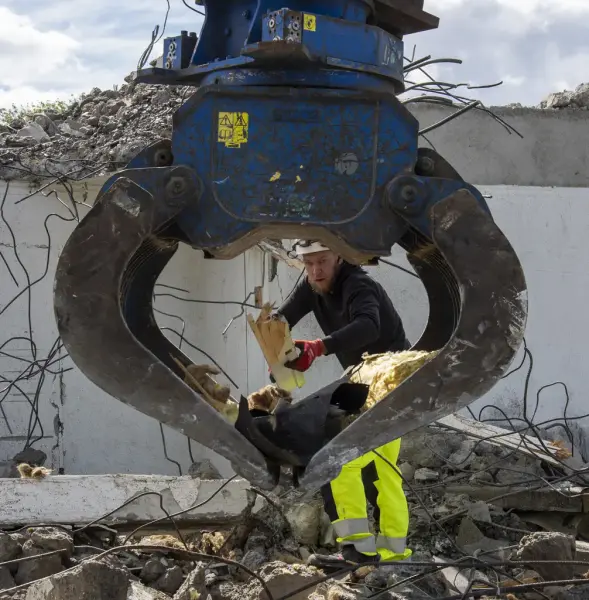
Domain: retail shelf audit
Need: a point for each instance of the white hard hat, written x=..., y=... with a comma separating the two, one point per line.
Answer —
x=302, y=247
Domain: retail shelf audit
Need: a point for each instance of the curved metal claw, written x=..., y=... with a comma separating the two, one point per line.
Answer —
x=103, y=286
x=485, y=288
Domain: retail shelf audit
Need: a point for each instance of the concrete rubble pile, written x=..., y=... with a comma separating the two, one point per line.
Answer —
x=577, y=98
x=104, y=128
x=470, y=500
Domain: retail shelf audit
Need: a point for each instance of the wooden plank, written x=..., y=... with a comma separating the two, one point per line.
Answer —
x=276, y=343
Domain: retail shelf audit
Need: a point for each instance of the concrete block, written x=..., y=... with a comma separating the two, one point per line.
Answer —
x=79, y=499
x=564, y=498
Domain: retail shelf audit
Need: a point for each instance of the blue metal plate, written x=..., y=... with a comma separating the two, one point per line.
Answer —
x=273, y=155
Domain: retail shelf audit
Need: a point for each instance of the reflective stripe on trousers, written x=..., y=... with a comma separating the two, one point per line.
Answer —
x=370, y=477
x=395, y=545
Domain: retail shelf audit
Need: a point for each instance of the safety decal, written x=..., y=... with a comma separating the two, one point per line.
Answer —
x=233, y=129
x=310, y=22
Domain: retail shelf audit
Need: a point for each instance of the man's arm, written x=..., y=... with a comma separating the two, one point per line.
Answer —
x=364, y=328
x=298, y=304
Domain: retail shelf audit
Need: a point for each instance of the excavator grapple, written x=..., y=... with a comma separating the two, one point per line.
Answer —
x=294, y=130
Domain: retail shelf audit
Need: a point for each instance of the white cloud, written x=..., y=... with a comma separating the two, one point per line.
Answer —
x=51, y=50
x=28, y=53
x=54, y=49
x=526, y=7
x=533, y=46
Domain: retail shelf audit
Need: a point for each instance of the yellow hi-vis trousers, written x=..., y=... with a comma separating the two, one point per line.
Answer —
x=370, y=478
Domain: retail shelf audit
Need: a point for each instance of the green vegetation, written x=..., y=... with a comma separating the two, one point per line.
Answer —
x=19, y=115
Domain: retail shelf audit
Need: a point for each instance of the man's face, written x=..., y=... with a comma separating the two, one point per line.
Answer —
x=321, y=268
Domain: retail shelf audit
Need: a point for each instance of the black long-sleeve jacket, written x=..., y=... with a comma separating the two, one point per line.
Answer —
x=357, y=316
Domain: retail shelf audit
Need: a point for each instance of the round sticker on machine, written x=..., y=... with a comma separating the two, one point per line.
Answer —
x=346, y=163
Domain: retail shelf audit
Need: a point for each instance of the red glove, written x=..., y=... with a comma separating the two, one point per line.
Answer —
x=309, y=352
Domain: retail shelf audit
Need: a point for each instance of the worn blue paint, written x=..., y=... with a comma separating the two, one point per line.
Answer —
x=295, y=123
x=333, y=41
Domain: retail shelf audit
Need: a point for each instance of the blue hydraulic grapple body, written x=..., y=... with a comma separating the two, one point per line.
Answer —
x=294, y=130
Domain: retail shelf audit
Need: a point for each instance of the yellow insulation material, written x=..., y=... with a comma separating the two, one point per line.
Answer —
x=384, y=372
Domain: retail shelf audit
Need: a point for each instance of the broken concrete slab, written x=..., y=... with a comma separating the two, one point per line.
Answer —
x=426, y=475
x=582, y=552
x=427, y=448
x=284, y=579
x=35, y=131
x=304, y=519
x=464, y=456
x=550, y=546
x=46, y=123
x=281, y=579
x=32, y=570
x=9, y=547
x=457, y=579
x=52, y=538
x=194, y=586
x=80, y=499
x=479, y=511
x=136, y=591
x=468, y=533
x=498, y=436
x=6, y=579
x=92, y=580
x=563, y=522
x=560, y=497
x=170, y=581
x=152, y=570
x=574, y=592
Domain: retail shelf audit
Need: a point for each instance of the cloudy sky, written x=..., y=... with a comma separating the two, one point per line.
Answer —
x=54, y=49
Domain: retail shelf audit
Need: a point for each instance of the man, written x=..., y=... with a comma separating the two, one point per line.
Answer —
x=356, y=316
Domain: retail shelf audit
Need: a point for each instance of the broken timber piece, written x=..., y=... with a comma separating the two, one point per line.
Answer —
x=275, y=341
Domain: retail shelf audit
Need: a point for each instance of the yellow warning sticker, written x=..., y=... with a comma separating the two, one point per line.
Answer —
x=233, y=129
x=309, y=22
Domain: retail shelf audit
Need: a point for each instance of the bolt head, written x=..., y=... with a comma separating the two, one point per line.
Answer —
x=409, y=193
x=425, y=164
x=163, y=158
x=176, y=186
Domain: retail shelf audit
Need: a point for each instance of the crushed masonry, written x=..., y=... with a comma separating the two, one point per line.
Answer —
x=523, y=523
x=273, y=541
x=104, y=129
x=577, y=98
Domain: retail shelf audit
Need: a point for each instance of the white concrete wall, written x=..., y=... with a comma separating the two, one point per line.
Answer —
x=542, y=148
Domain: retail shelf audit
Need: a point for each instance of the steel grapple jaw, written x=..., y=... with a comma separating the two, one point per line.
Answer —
x=103, y=302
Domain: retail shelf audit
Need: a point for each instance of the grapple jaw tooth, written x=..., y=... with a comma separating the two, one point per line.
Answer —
x=477, y=329
x=103, y=305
